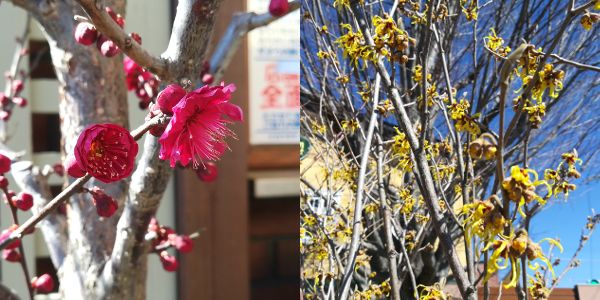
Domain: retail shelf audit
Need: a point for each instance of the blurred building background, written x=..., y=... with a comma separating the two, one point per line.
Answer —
x=249, y=249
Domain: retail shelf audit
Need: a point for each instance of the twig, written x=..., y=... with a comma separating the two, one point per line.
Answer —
x=72, y=189
x=107, y=26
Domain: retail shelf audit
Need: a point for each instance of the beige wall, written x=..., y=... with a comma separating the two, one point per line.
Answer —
x=150, y=19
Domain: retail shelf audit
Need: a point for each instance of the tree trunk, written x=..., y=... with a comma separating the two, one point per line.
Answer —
x=106, y=258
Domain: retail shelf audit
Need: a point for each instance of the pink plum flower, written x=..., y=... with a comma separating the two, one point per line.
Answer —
x=106, y=151
x=197, y=129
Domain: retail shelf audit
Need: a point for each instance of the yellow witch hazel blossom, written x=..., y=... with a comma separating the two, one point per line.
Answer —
x=536, y=113
x=470, y=9
x=550, y=79
x=537, y=287
x=485, y=219
x=351, y=42
x=418, y=77
x=512, y=249
x=560, y=177
x=589, y=19
x=464, y=122
x=341, y=3
x=521, y=189
x=350, y=126
x=434, y=292
x=484, y=144
x=493, y=41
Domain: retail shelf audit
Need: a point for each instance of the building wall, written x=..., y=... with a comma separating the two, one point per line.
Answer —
x=150, y=19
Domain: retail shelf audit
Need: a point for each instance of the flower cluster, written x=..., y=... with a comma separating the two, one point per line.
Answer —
x=434, y=292
x=560, y=178
x=143, y=83
x=511, y=249
x=470, y=10
x=520, y=187
x=484, y=219
x=484, y=144
x=163, y=237
x=87, y=34
x=495, y=43
x=465, y=122
x=197, y=129
x=589, y=19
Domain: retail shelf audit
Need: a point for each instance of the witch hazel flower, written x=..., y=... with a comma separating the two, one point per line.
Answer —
x=197, y=130
x=105, y=151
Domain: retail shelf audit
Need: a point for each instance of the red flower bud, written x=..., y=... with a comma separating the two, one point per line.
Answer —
x=105, y=204
x=17, y=85
x=6, y=233
x=4, y=164
x=169, y=97
x=279, y=8
x=20, y=101
x=24, y=52
x=7, y=75
x=86, y=33
x=62, y=209
x=58, y=169
x=142, y=94
x=42, y=284
x=136, y=37
x=208, y=78
x=169, y=262
x=144, y=103
x=106, y=46
x=11, y=255
x=72, y=167
x=207, y=173
x=184, y=244
x=157, y=131
x=205, y=67
x=9, y=196
x=23, y=201
x=3, y=99
x=3, y=182
x=5, y=115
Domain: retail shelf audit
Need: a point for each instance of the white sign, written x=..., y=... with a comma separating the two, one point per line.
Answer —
x=274, y=74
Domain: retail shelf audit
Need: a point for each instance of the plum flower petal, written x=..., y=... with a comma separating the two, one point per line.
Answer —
x=106, y=151
x=197, y=130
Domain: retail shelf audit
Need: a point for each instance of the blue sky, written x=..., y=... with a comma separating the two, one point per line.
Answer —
x=565, y=221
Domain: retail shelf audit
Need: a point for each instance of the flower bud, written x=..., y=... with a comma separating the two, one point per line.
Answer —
x=105, y=204
x=62, y=209
x=42, y=284
x=86, y=33
x=72, y=167
x=144, y=103
x=20, y=101
x=4, y=164
x=489, y=150
x=169, y=97
x=23, y=201
x=208, y=173
x=11, y=255
x=278, y=8
x=4, y=100
x=208, y=78
x=3, y=182
x=136, y=37
x=6, y=234
x=205, y=67
x=117, y=18
x=106, y=46
x=157, y=131
x=475, y=149
x=17, y=85
x=59, y=169
x=183, y=243
x=4, y=115
x=169, y=262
